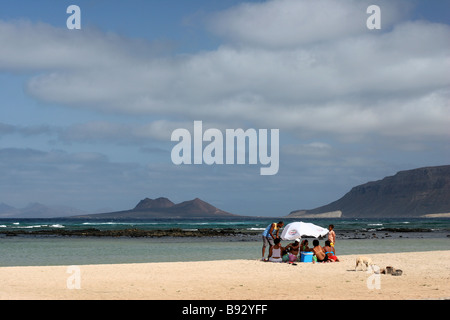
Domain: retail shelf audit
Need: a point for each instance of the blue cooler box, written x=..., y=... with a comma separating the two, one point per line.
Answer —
x=306, y=257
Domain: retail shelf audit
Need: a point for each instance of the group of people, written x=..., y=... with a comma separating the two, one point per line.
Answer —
x=291, y=253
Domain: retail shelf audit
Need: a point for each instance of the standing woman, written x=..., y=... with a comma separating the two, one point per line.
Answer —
x=268, y=236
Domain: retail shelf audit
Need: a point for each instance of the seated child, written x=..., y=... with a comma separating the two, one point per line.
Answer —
x=330, y=251
x=292, y=251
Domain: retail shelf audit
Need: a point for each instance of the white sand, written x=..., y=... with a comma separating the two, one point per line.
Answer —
x=426, y=275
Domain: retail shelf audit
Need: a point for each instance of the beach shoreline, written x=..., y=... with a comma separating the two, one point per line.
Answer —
x=425, y=275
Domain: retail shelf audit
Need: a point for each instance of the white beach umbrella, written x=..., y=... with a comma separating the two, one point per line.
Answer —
x=295, y=230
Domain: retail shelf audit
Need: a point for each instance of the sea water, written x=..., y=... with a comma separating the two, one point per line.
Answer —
x=29, y=250
x=26, y=251
x=239, y=224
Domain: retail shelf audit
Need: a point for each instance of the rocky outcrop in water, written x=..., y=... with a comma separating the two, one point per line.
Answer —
x=138, y=233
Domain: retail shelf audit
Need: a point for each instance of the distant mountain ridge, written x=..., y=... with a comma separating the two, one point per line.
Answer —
x=148, y=203
x=6, y=209
x=164, y=208
x=37, y=210
x=411, y=193
x=422, y=192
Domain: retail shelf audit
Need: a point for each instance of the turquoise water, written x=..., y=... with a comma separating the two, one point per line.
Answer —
x=394, y=235
x=36, y=251
x=240, y=224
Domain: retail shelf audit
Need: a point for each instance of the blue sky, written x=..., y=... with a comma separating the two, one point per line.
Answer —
x=86, y=115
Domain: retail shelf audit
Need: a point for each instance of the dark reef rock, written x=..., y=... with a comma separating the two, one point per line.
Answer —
x=92, y=232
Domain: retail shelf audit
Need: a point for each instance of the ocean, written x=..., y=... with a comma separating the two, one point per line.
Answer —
x=354, y=236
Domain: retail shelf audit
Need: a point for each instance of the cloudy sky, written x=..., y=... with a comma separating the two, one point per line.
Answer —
x=86, y=115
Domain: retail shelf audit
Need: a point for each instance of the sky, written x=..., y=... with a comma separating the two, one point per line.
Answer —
x=86, y=115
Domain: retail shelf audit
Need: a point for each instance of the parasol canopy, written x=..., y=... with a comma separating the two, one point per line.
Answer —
x=297, y=229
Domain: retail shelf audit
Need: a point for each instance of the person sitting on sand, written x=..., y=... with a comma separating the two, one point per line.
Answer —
x=275, y=251
x=292, y=250
x=319, y=252
x=304, y=246
x=330, y=252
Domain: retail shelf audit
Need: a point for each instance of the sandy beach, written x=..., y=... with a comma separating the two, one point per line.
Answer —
x=426, y=275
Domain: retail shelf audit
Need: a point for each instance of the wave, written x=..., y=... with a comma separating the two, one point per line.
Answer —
x=112, y=223
x=103, y=223
x=33, y=226
x=256, y=229
x=243, y=225
x=57, y=226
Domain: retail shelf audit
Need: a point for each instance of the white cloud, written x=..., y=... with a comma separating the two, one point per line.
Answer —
x=30, y=46
x=309, y=67
x=279, y=24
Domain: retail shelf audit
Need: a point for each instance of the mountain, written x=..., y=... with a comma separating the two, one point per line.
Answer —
x=4, y=208
x=37, y=210
x=164, y=208
x=159, y=203
x=411, y=193
x=7, y=211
